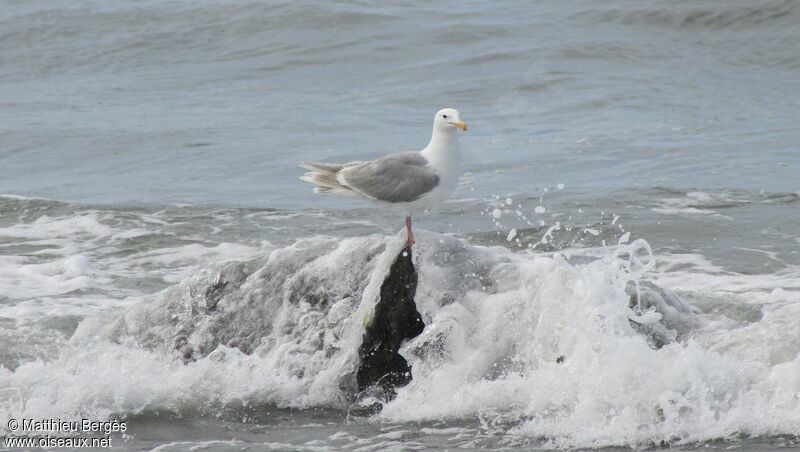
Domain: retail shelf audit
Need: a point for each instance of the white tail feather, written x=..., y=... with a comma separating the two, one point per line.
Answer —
x=323, y=175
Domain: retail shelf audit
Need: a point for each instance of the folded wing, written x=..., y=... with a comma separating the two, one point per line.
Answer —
x=403, y=177
x=395, y=178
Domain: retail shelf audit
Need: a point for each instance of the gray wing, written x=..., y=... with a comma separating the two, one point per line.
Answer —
x=403, y=177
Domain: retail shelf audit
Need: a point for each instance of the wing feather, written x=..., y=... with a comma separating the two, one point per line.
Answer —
x=403, y=177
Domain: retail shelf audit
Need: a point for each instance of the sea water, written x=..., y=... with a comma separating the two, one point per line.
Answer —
x=160, y=262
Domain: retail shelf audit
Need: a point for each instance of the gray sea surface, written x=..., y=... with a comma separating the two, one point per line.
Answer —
x=145, y=142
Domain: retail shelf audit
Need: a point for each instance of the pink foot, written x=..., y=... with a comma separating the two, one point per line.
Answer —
x=409, y=233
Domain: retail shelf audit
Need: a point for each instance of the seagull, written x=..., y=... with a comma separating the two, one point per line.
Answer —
x=406, y=180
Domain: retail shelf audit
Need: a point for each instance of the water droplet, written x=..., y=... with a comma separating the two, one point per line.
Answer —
x=511, y=234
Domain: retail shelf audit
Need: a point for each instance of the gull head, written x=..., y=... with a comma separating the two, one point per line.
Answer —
x=448, y=120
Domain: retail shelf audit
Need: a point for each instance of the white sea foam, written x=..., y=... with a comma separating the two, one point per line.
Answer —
x=497, y=322
x=699, y=203
x=84, y=261
x=20, y=278
x=697, y=274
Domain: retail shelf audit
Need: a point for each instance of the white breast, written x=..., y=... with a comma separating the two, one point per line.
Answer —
x=445, y=159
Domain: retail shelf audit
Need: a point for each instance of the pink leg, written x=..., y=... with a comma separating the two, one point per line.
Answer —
x=409, y=233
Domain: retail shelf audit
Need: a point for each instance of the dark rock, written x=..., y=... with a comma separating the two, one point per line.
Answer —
x=214, y=293
x=394, y=320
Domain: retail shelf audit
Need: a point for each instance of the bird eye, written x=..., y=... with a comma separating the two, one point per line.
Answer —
x=444, y=116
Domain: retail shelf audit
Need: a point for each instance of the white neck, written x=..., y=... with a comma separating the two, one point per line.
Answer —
x=443, y=150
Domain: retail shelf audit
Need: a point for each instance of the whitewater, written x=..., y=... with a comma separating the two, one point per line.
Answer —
x=268, y=327
x=618, y=267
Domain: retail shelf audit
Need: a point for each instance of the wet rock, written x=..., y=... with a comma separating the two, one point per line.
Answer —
x=677, y=317
x=381, y=368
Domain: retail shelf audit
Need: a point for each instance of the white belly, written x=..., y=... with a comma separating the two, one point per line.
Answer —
x=448, y=181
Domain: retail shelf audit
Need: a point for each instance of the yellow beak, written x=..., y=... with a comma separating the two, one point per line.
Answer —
x=461, y=125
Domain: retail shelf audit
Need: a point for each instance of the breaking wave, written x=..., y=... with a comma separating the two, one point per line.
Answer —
x=573, y=351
